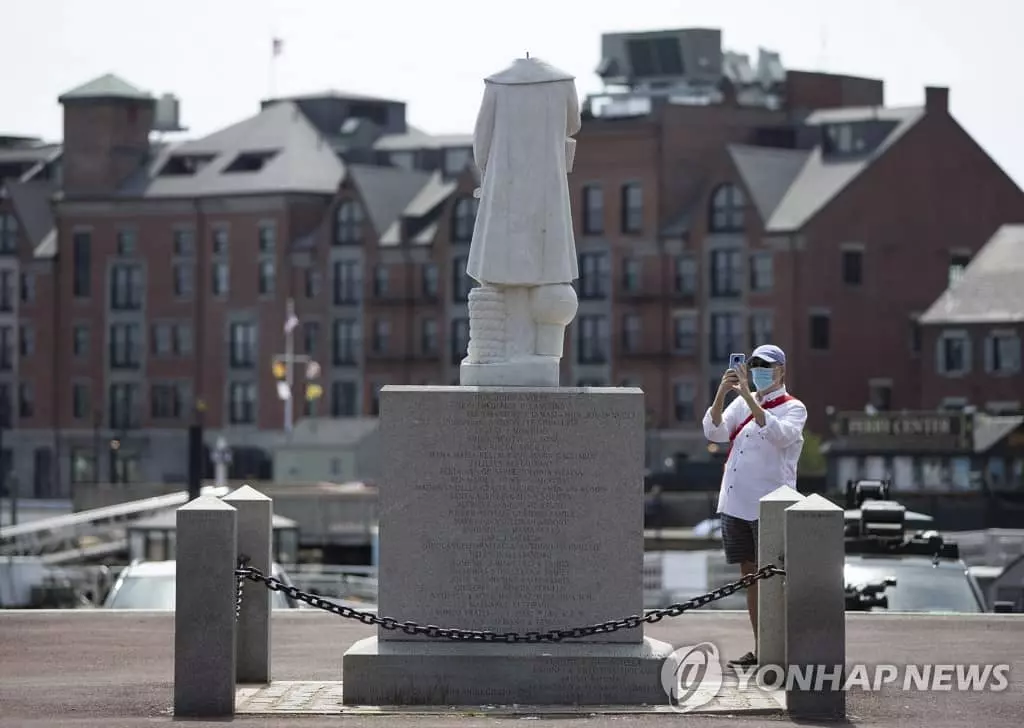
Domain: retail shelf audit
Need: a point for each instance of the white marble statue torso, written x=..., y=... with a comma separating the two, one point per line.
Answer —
x=523, y=234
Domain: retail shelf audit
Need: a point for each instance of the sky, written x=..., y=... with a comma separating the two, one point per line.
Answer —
x=215, y=55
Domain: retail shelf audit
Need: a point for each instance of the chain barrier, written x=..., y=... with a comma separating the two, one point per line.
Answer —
x=245, y=572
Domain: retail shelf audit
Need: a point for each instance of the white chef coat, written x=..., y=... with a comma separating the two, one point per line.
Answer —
x=762, y=458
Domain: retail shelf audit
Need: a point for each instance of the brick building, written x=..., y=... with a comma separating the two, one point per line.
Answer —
x=717, y=203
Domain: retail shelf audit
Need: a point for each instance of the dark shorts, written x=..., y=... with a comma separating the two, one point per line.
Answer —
x=739, y=539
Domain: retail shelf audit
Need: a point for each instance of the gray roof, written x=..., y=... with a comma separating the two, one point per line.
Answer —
x=105, y=87
x=32, y=203
x=430, y=196
x=991, y=289
x=820, y=180
x=767, y=173
x=334, y=94
x=418, y=139
x=33, y=154
x=386, y=191
x=990, y=429
x=302, y=161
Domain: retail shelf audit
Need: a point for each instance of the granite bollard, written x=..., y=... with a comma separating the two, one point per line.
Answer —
x=815, y=608
x=255, y=540
x=204, y=616
x=771, y=593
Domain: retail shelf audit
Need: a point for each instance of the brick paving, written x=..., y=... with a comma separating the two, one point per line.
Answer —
x=325, y=698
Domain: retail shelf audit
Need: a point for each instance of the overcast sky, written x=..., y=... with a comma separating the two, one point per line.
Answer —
x=215, y=54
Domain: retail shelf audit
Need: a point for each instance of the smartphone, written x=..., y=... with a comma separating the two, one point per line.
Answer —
x=737, y=360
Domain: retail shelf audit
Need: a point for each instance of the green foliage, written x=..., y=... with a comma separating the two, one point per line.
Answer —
x=812, y=461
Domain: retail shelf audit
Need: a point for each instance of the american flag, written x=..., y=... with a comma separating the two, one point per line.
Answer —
x=277, y=46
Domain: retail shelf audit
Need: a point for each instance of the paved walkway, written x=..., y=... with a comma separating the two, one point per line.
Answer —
x=96, y=669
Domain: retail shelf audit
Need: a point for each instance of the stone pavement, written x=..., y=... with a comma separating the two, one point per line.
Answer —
x=98, y=669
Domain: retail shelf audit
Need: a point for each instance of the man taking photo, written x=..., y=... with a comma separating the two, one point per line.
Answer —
x=764, y=425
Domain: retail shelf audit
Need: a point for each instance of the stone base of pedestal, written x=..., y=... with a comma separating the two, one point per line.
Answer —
x=536, y=371
x=447, y=673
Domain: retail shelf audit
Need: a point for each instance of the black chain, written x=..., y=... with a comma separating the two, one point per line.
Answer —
x=555, y=635
x=238, y=589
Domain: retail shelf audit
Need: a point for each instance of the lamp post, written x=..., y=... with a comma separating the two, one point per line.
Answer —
x=283, y=367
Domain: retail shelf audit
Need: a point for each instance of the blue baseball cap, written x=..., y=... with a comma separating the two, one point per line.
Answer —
x=770, y=353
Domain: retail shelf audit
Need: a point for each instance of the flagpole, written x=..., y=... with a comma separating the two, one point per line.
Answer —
x=289, y=349
x=272, y=68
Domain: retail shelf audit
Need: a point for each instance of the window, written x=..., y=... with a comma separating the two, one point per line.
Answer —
x=126, y=243
x=181, y=339
x=404, y=160
x=853, y=266
x=464, y=219
x=183, y=243
x=632, y=208
x=267, y=271
x=761, y=272
x=28, y=287
x=345, y=341
x=219, y=242
x=428, y=336
x=7, y=291
x=124, y=406
x=348, y=223
x=80, y=340
x=880, y=394
x=429, y=280
x=632, y=332
x=183, y=275
x=310, y=336
x=456, y=160
x=958, y=263
x=684, y=338
x=462, y=284
x=160, y=339
x=165, y=401
x=220, y=281
x=81, y=263
x=81, y=404
x=381, y=336
x=954, y=353
x=26, y=402
x=8, y=234
x=242, y=403
x=683, y=395
x=820, y=330
x=375, y=388
x=311, y=282
x=42, y=473
x=380, y=280
x=125, y=346
x=727, y=207
x=725, y=335
x=685, y=278
x=594, y=274
x=126, y=287
x=593, y=340
x=1003, y=353
x=83, y=466
x=348, y=282
x=242, y=344
x=460, y=339
x=343, y=399
x=267, y=236
x=632, y=274
x=7, y=348
x=593, y=210
x=726, y=273
x=6, y=413
x=761, y=329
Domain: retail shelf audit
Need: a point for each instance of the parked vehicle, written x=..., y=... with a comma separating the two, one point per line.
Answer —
x=151, y=585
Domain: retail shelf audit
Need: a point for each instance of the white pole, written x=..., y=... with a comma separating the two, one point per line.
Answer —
x=289, y=354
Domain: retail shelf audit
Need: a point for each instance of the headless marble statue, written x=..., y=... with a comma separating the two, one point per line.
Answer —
x=523, y=252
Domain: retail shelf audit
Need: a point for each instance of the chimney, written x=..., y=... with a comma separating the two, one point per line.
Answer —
x=936, y=99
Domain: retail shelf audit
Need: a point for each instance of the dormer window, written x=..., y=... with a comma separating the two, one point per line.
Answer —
x=250, y=161
x=348, y=223
x=404, y=160
x=456, y=160
x=463, y=219
x=183, y=165
x=8, y=233
x=727, y=208
x=843, y=139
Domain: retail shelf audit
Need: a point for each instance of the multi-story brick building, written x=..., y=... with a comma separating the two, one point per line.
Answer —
x=717, y=205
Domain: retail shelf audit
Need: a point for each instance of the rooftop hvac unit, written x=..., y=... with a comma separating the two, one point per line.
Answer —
x=167, y=116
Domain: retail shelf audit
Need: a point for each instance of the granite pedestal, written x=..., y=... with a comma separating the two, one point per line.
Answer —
x=510, y=510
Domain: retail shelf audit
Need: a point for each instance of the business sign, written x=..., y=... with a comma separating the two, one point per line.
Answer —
x=927, y=430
